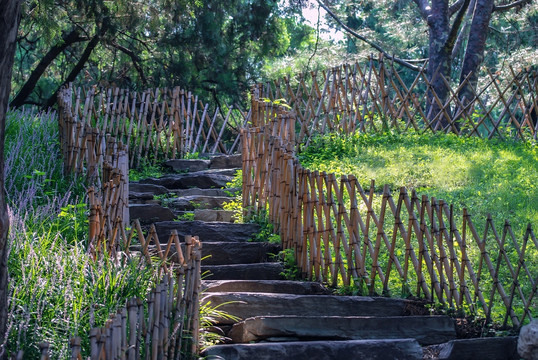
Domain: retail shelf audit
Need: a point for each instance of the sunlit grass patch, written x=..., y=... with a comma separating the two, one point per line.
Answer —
x=485, y=176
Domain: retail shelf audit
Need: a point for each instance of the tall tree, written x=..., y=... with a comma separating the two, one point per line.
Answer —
x=9, y=22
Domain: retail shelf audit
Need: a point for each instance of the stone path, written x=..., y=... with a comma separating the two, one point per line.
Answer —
x=281, y=319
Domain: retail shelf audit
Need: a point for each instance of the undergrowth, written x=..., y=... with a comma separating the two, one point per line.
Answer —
x=56, y=290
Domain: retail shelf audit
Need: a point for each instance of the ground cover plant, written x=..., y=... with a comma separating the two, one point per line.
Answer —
x=495, y=177
x=485, y=176
x=56, y=290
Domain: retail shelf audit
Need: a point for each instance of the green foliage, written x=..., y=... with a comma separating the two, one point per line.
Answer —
x=291, y=271
x=144, y=171
x=56, y=290
x=165, y=199
x=209, y=317
x=497, y=177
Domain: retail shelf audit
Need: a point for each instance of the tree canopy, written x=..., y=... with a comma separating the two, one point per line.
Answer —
x=218, y=49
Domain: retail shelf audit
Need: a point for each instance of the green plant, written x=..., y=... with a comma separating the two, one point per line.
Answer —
x=186, y=216
x=165, y=199
x=209, y=317
x=146, y=170
x=291, y=270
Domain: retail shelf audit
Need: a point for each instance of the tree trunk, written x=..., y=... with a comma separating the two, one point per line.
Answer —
x=49, y=57
x=439, y=65
x=9, y=22
x=474, y=53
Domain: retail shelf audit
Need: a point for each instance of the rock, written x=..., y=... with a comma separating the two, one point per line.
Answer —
x=494, y=348
x=426, y=330
x=257, y=271
x=202, y=179
x=527, y=343
x=143, y=192
x=217, y=253
x=407, y=349
x=150, y=213
x=206, y=192
x=266, y=286
x=214, y=231
x=246, y=305
x=228, y=253
x=226, y=162
x=191, y=165
x=208, y=215
x=193, y=202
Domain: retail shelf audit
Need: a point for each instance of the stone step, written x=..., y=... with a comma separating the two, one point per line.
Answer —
x=266, y=286
x=191, y=165
x=492, y=348
x=150, y=213
x=216, y=162
x=209, y=215
x=427, y=330
x=213, y=231
x=226, y=253
x=206, y=179
x=245, y=305
x=193, y=202
x=257, y=271
x=319, y=350
x=140, y=191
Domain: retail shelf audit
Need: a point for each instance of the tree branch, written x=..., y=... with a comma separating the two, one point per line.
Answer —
x=511, y=5
x=50, y=56
x=453, y=34
x=80, y=64
x=136, y=60
x=402, y=62
x=455, y=7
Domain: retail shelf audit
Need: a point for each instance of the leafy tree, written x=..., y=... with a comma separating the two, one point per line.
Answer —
x=457, y=34
x=9, y=16
x=211, y=47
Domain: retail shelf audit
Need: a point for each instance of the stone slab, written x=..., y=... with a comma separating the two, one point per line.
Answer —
x=227, y=253
x=145, y=191
x=427, y=330
x=150, y=213
x=319, y=350
x=218, y=253
x=206, y=179
x=209, y=215
x=206, y=192
x=247, y=305
x=213, y=231
x=193, y=202
x=266, y=286
x=257, y=271
x=191, y=165
x=494, y=348
x=226, y=162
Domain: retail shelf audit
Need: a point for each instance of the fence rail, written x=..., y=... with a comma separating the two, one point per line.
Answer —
x=376, y=95
x=399, y=245
x=155, y=124
x=163, y=326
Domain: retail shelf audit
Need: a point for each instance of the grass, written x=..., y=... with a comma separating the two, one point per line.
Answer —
x=486, y=177
x=56, y=290
x=497, y=177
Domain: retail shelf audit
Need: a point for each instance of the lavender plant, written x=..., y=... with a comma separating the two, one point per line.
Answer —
x=57, y=291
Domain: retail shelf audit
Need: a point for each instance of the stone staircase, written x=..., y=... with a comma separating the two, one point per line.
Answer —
x=278, y=318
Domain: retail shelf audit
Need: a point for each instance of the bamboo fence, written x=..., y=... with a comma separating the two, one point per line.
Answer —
x=377, y=96
x=163, y=326
x=155, y=124
x=402, y=245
